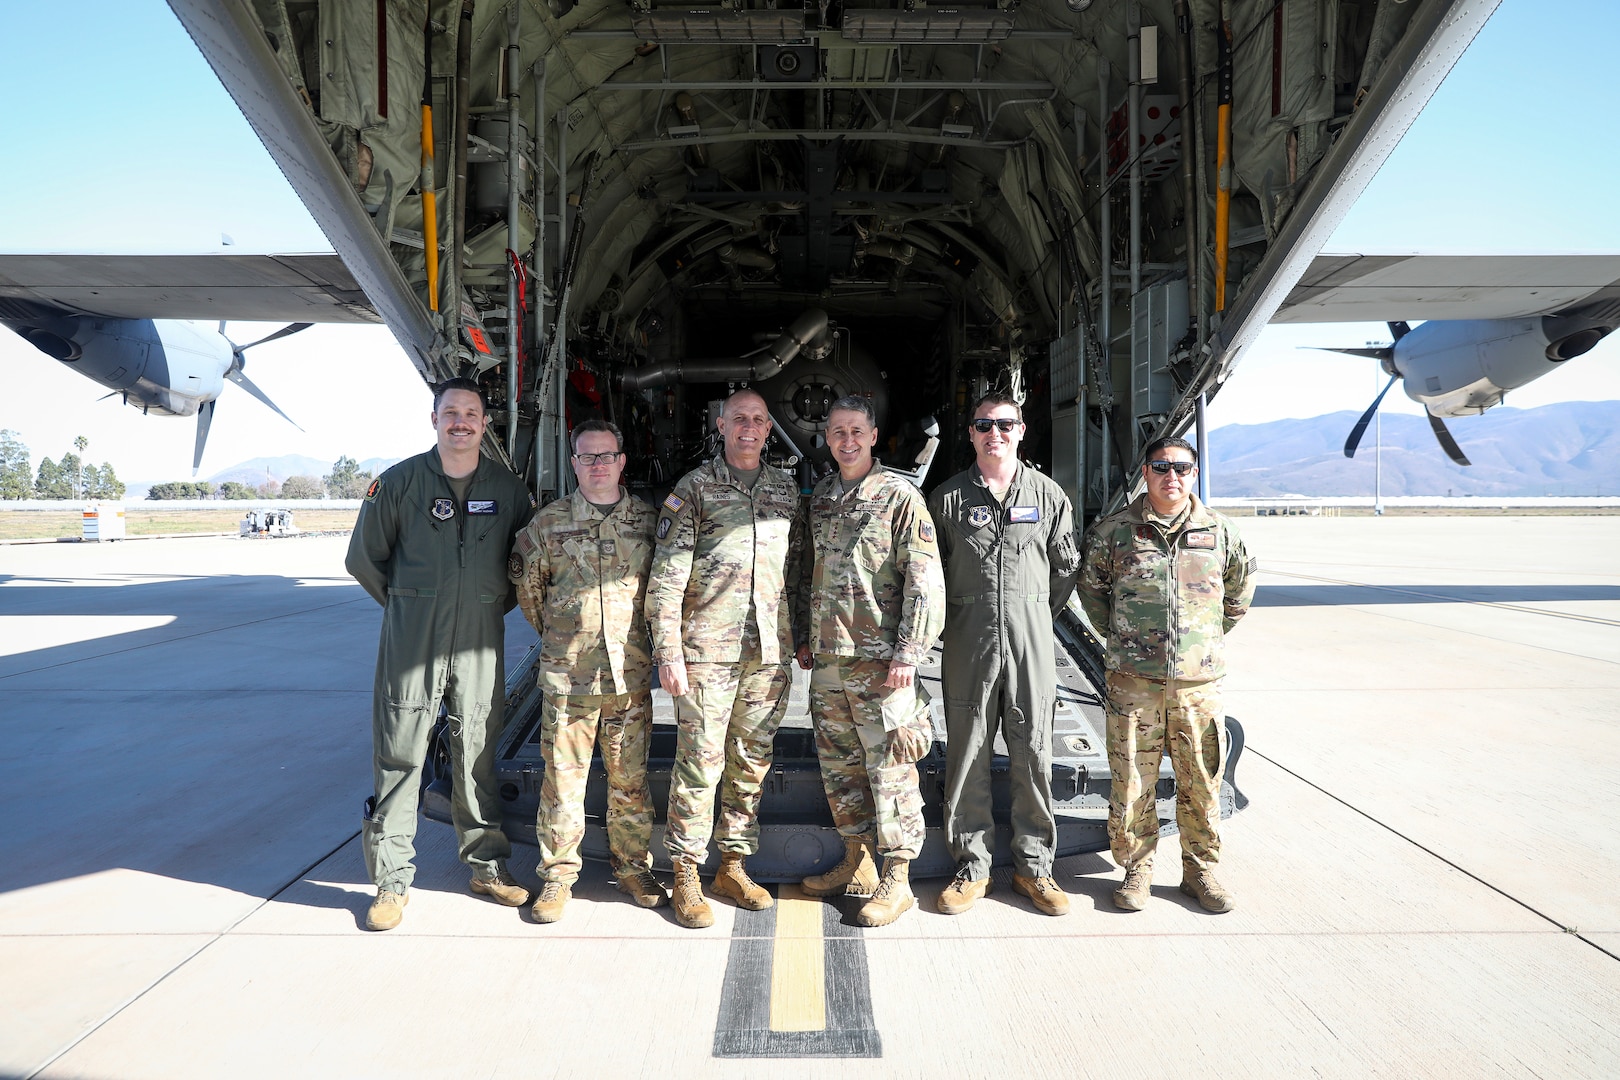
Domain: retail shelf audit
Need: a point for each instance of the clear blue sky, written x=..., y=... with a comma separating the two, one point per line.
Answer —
x=127, y=143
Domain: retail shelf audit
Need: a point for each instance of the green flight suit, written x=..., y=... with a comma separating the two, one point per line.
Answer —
x=1009, y=569
x=438, y=565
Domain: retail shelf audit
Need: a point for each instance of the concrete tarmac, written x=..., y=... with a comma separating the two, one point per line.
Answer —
x=1426, y=873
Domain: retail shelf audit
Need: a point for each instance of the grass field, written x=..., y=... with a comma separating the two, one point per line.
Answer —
x=48, y=524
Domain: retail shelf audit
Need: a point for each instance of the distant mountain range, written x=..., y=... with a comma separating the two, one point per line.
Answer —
x=1569, y=449
x=255, y=470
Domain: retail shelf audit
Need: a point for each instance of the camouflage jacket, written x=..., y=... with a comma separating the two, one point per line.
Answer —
x=724, y=550
x=874, y=588
x=1165, y=594
x=581, y=578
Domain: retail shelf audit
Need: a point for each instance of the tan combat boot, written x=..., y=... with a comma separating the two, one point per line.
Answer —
x=638, y=882
x=386, y=910
x=548, y=906
x=732, y=882
x=691, y=910
x=1044, y=893
x=963, y=891
x=892, y=898
x=1201, y=885
x=502, y=888
x=857, y=875
x=1137, y=888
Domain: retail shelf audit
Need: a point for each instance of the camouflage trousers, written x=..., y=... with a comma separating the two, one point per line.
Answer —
x=870, y=798
x=1146, y=717
x=724, y=730
x=570, y=726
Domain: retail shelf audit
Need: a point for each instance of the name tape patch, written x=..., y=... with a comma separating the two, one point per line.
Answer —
x=1023, y=515
x=481, y=506
x=1201, y=540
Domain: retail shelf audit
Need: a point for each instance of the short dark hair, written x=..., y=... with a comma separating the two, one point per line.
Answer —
x=997, y=397
x=1171, y=443
x=585, y=427
x=459, y=384
x=855, y=403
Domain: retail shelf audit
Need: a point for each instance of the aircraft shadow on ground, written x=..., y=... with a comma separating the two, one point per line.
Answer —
x=230, y=746
x=1362, y=595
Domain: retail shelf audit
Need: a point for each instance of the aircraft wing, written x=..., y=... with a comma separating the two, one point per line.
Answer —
x=1382, y=288
x=241, y=288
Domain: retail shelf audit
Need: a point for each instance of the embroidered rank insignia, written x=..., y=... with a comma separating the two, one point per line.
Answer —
x=481, y=506
x=1023, y=515
x=674, y=503
x=925, y=532
x=979, y=516
x=376, y=486
x=444, y=509
x=608, y=548
x=1144, y=532
x=663, y=527
x=1201, y=540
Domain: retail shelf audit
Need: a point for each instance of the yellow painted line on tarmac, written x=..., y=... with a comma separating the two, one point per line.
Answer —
x=798, y=964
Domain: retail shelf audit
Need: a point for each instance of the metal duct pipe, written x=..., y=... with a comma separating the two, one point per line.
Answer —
x=1105, y=308
x=514, y=155
x=808, y=333
x=898, y=250
x=1189, y=208
x=748, y=255
x=686, y=109
x=1133, y=120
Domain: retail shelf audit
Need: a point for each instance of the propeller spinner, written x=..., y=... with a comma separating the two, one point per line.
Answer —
x=205, y=413
x=1386, y=356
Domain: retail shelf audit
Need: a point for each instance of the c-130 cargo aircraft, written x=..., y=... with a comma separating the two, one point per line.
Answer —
x=631, y=207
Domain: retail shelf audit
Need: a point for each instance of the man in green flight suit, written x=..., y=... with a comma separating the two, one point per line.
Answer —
x=1007, y=537
x=1164, y=580
x=431, y=546
x=720, y=606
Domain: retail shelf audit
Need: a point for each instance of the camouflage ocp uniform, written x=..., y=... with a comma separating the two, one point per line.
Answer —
x=581, y=578
x=1165, y=593
x=721, y=599
x=874, y=593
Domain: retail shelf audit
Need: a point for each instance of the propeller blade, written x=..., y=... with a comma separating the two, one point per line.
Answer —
x=236, y=376
x=1443, y=436
x=1399, y=329
x=1383, y=352
x=1356, y=432
x=286, y=331
x=205, y=417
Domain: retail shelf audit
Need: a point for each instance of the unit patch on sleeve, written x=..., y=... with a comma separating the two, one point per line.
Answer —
x=1201, y=540
x=444, y=509
x=663, y=526
x=376, y=486
x=482, y=506
x=925, y=532
x=514, y=567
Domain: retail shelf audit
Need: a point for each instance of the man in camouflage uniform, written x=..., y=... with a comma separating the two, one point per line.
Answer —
x=1164, y=580
x=430, y=545
x=873, y=603
x=1007, y=535
x=580, y=568
x=720, y=607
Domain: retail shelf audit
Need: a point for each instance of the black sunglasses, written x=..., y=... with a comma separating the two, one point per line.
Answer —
x=983, y=425
x=1182, y=467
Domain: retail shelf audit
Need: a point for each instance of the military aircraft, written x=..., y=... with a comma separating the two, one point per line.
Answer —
x=630, y=207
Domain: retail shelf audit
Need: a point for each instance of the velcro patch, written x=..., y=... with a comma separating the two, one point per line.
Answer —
x=1254, y=564
x=514, y=567
x=376, y=486
x=663, y=526
x=674, y=503
x=444, y=509
x=1144, y=532
x=925, y=533
x=979, y=516
x=1023, y=515
x=1201, y=540
x=481, y=506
